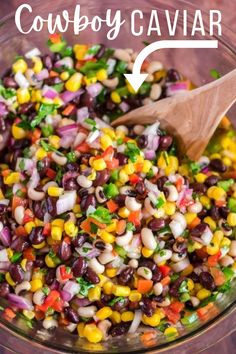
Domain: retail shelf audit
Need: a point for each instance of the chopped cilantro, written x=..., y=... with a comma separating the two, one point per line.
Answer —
x=115, y=300
x=225, y=287
x=26, y=152
x=94, y=228
x=58, y=87
x=90, y=68
x=44, y=110
x=24, y=124
x=84, y=286
x=166, y=157
x=132, y=151
x=121, y=67
x=47, y=147
x=2, y=277
x=146, y=43
x=119, y=141
x=183, y=287
x=47, y=130
x=45, y=290
x=7, y=92
x=20, y=194
x=130, y=226
x=59, y=174
x=93, y=50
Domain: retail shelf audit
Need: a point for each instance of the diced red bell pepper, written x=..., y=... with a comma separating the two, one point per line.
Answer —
x=84, y=147
x=111, y=165
x=134, y=178
x=108, y=154
x=51, y=173
x=212, y=261
x=177, y=306
x=64, y=274
x=172, y=316
x=50, y=300
x=134, y=217
x=165, y=270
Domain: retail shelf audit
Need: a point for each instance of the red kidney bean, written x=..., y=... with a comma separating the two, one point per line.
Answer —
x=47, y=61
x=217, y=165
x=120, y=305
x=161, y=182
x=165, y=142
x=53, y=81
x=134, y=305
x=224, y=212
x=50, y=276
x=19, y=144
x=4, y=289
x=51, y=205
x=173, y=75
x=9, y=82
x=198, y=188
x=79, y=267
x=142, y=141
x=203, y=213
x=207, y=281
x=103, y=301
x=101, y=178
x=16, y=273
x=26, y=107
x=214, y=212
x=120, y=200
x=91, y=276
x=79, y=240
x=148, y=263
x=156, y=275
x=3, y=208
x=88, y=200
x=36, y=235
x=211, y=181
x=125, y=275
x=147, y=306
x=72, y=166
x=119, y=329
x=71, y=184
x=157, y=224
x=194, y=277
x=174, y=288
x=19, y=244
x=71, y=315
x=140, y=188
x=123, y=159
x=64, y=251
x=109, y=105
x=198, y=230
x=39, y=209
x=133, y=101
x=39, y=261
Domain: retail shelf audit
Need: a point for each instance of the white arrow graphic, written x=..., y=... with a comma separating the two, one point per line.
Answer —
x=136, y=78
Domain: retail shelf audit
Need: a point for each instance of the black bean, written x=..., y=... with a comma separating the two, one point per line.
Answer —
x=3, y=209
x=211, y=181
x=72, y=166
x=79, y=267
x=224, y=211
x=142, y=141
x=172, y=75
x=101, y=178
x=47, y=61
x=165, y=142
x=4, y=289
x=42, y=166
x=203, y=213
x=26, y=108
x=20, y=144
x=147, y=306
x=120, y=200
x=88, y=200
x=39, y=209
x=140, y=188
x=174, y=288
x=157, y=224
x=198, y=188
x=125, y=275
x=71, y=184
x=79, y=240
x=64, y=251
x=104, y=300
x=121, y=305
x=100, y=245
x=16, y=273
x=9, y=82
x=39, y=261
x=207, y=281
x=87, y=100
x=217, y=165
x=100, y=52
x=148, y=263
x=215, y=213
x=119, y=329
x=133, y=101
x=194, y=277
x=198, y=230
x=36, y=235
x=110, y=105
x=91, y=276
x=53, y=81
x=50, y=276
x=19, y=244
x=51, y=205
x=123, y=159
x=156, y=275
x=161, y=182
x=71, y=315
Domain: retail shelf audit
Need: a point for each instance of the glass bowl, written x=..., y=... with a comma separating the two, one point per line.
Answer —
x=192, y=63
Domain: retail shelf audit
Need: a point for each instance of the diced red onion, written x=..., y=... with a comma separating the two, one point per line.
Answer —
x=44, y=74
x=3, y=109
x=68, y=96
x=82, y=302
x=5, y=236
x=67, y=61
x=4, y=266
x=82, y=114
x=66, y=141
x=149, y=154
x=65, y=295
x=136, y=321
x=55, y=285
x=93, y=253
x=94, y=89
x=49, y=92
x=34, y=179
x=80, y=137
x=5, y=137
x=72, y=288
x=66, y=202
x=206, y=236
x=20, y=302
x=184, y=199
x=35, y=52
x=151, y=187
x=177, y=88
x=27, y=163
x=124, y=106
x=151, y=129
x=92, y=136
x=111, y=63
x=179, y=266
x=68, y=129
x=47, y=217
x=4, y=256
x=21, y=80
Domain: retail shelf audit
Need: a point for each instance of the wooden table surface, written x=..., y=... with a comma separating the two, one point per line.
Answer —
x=227, y=7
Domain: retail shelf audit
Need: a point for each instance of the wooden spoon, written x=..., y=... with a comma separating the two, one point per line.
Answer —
x=192, y=116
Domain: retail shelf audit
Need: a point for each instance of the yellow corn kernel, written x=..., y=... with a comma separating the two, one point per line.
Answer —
x=13, y=177
x=152, y=321
x=29, y=226
x=58, y=222
x=115, y=97
x=9, y=279
x=65, y=76
x=135, y=296
x=36, y=96
x=215, y=156
x=101, y=75
x=225, y=242
x=110, y=132
x=58, y=101
x=197, y=245
x=216, y=193
x=123, y=212
x=1, y=195
x=115, y=317
x=146, y=166
x=106, y=141
x=54, y=140
x=160, y=312
x=47, y=101
x=130, y=88
x=111, y=272
x=70, y=228
x=99, y=164
x=197, y=287
x=56, y=233
x=92, y=176
x=29, y=314
x=23, y=95
x=9, y=252
x=20, y=66
x=120, y=290
x=106, y=236
x=103, y=280
x=76, y=209
x=189, y=217
x=123, y=177
x=80, y=51
x=214, y=246
x=205, y=201
x=169, y=208
x=231, y=219
x=129, y=169
x=92, y=333
x=89, y=80
x=74, y=82
x=94, y=294
x=36, y=285
x=38, y=65
x=23, y=263
x=40, y=245
x=147, y=252
x=190, y=284
x=17, y=132
x=183, y=170
x=108, y=288
x=127, y=316
x=225, y=142
x=104, y=313
x=80, y=329
x=41, y=154
x=200, y=177
x=210, y=222
x=112, y=226
x=50, y=262
x=54, y=191
x=203, y=294
x=226, y=161
x=170, y=331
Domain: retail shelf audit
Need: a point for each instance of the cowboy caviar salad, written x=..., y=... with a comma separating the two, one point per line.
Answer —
x=105, y=231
